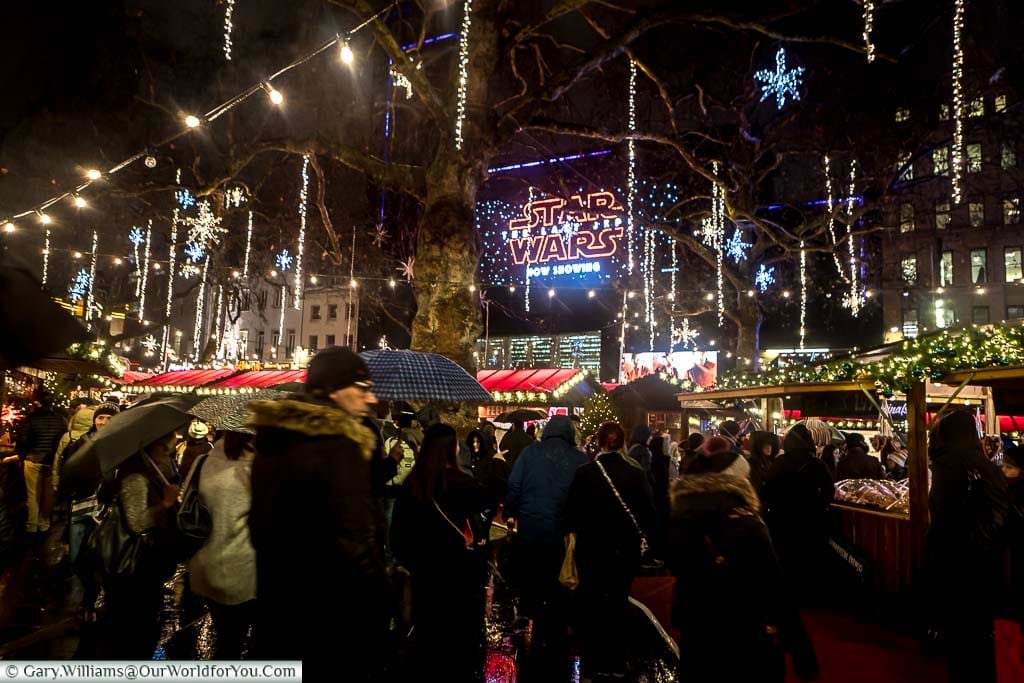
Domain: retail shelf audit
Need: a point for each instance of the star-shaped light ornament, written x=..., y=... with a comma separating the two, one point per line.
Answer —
x=781, y=82
x=79, y=286
x=284, y=260
x=765, y=277
x=135, y=236
x=380, y=235
x=149, y=343
x=736, y=248
x=685, y=335
x=408, y=269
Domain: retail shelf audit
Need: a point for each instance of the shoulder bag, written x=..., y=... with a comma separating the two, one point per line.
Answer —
x=194, y=520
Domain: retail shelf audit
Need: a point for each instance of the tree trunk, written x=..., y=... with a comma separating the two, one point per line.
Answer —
x=748, y=319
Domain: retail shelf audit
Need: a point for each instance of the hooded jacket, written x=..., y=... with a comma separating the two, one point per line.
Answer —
x=316, y=528
x=540, y=481
x=79, y=425
x=761, y=464
x=722, y=554
x=515, y=442
x=638, y=449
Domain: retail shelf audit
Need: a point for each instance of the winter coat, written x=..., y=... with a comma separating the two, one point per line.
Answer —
x=638, y=449
x=761, y=464
x=729, y=594
x=493, y=473
x=857, y=464
x=140, y=491
x=1014, y=602
x=315, y=525
x=540, y=481
x=79, y=426
x=39, y=442
x=607, y=542
x=514, y=442
x=224, y=569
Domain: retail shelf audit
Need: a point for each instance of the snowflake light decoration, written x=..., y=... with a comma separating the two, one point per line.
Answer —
x=204, y=228
x=685, y=335
x=380, y=235
x=765, y=277
x=188, y=270
x=736, y=248
x=79, y=286
x=400, y=81
x=195, y=252
x=706, y=232
x=186, y=199
x=135, y=236
x=284, y=260
x=408, y=269
x=234, y=197
x=780, y=82
x=149, y=343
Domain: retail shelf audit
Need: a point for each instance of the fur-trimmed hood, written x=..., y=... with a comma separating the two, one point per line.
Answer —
x=311, y=419
x=714, y=485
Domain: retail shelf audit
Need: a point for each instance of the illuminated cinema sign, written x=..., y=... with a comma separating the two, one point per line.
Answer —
x=556, y=237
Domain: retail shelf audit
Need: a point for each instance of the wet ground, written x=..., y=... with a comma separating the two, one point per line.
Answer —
x=39, y=619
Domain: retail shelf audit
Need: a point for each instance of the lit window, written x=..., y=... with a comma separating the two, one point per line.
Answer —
x=976, y=107
x=910, y=323
x=1007, y=156
x=941, y=215
x=1011, y=211
x=946, y=269
x=944, y=316
x=974, y=158
x=904, y=166
x=940, y=161
x=1000, y=103
x=906, y=217
x=976, y=211
x=979, y=263
x=908, y=270
x=943, y=112
x=1012, y=261
x=902, y=115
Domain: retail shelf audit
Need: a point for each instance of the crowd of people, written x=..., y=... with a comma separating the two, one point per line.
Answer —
x=341, y=532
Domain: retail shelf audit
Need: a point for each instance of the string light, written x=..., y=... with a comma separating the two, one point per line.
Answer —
x=831, y=216
x=80, y=203
x=8, y=227
x=460, y=102
x=145, y=270
x=45, y=218
x=229, y=9
x=192, y=121
x=274, y=94
x=869, y=25
x=345, y=53
x=672, y=295
x=717, y=238
x=46, y=257
x=303, y=195
x=803, y=294
x=216, y=321
x=958, y=101
x=855, y=301
x=197, y=327
x=93, y=174
x=780, y=82
x=92, y=275
x=631, y=168
x=280, y=322
x=170, y=287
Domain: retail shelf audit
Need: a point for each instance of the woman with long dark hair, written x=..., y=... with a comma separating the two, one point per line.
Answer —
x=438, y=535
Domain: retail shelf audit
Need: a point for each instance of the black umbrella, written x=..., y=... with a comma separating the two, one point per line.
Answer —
x=34, y=326
x=520, y=415
x=124, y=435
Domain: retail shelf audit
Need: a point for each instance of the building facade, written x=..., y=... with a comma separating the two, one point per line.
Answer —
x=948, y=265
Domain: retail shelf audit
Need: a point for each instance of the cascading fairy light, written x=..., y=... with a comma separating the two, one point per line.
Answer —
x=92, y=276
x=718, y=239
x=631, y=168
x=672, y=295
x=526, y=295
x=216, y=320
x=248, y=245
x=803, y=294
x=145, y=271
x=855, y=298
x=303, y=195
x=831, y=216
x=869, y=27
x=649, y=238
x=958, y=101
x=197, y=328
x=229, y=9
x=460, y=102
x=46, y=257
x=280, y=322
x=170, y=287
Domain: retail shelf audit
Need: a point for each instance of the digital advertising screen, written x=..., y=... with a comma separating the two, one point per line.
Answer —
x=700, y=367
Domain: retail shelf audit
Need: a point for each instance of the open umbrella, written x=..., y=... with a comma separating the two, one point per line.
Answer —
x=123, y=436
x=34, y=326
x=416, y=376
x=230, y=412
x=520, y=415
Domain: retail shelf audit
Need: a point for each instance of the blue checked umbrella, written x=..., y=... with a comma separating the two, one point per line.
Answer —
x=417, y=376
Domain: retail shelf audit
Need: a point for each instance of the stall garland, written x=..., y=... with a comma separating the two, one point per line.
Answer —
x=100, y=355
x=932, y=357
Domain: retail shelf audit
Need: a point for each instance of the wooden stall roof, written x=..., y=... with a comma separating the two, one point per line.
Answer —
x=1004, y=377
x=773, y=391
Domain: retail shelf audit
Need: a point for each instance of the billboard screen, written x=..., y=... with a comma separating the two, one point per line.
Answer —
x=700, y=367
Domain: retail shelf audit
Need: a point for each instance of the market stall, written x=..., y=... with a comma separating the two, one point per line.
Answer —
x=549, y=390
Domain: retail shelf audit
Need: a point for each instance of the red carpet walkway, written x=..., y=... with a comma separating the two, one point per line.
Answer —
x=848, y=651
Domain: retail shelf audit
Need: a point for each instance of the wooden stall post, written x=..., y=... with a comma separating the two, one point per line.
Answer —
x=917, y=464
x=991, y=419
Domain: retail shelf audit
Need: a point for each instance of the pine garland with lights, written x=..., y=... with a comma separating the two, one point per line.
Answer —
x=100, y=355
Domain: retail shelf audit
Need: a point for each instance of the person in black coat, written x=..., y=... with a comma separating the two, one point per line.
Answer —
x=797, y=494
x=764, y=446
x=316, y=524
x=1013, y=470
x=514, y=442
x=608, y=546
x=659, y=490
x=970, y=506
x=734, y=615
x=693, y=443
x=857, y=464
x=439, y=535
x=488, y=468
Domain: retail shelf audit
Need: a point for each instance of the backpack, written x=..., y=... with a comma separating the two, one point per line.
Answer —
x=405, y=465
x=987, y=509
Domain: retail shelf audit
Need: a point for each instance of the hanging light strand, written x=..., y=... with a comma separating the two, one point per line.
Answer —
x=145, y=271
x=672, y=296
x=248, y=245
x=280, y=322
x=218, y=312
x=631, y=168
x=197, y=329
x=229, y=9
x=832, y=217
x=92, y=276
x=46, y=257
x=170, y=287
x=958, y=101
x=803, y=294
x=460, y=102
x=869, y=27
x=718, y=240
x=303, y=196
x=855, y=300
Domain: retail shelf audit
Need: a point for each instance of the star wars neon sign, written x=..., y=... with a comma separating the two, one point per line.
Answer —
x=555, y=236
